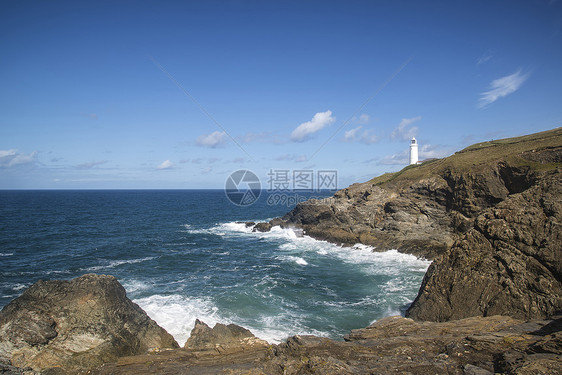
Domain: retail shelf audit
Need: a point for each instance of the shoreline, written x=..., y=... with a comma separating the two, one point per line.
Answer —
x=45, y=333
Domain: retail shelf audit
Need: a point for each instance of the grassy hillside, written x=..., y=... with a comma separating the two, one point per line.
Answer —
x=518, y=152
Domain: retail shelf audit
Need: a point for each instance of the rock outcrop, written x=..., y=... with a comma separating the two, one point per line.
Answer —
x=66, y=326
x=391, y=345
x=489, y=216
x=88, y=326
x=222, y=338
x=509, y=263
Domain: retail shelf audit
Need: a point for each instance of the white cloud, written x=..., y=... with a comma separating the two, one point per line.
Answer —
x=401, y=158
x=212, y=140
x=367, y=136
x=253, y=137
x=484, y=58
x=403, y=132
x=203, y=160
x=362, y=119
x=238, y=160
x=284, y=157
x=91, y=164
x=425, y=152
x=264, y=137
x=502, y=87
x=166, y=164
x=292, y=157
x=351, y=135
x=11, y=158
x=434, y=151
x=306, y=129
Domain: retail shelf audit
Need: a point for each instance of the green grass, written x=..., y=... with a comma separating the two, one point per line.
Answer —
x=477, y=157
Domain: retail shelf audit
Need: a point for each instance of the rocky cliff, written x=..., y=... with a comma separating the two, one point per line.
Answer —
x=489, y=216
x=88, y=326
x=66, y=326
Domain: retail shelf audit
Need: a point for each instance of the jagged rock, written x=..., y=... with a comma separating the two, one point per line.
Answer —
x=262, y=227
x=221, y=337
x=475, y=346
x=489, y=216
x=76, y=324
x=510, y=262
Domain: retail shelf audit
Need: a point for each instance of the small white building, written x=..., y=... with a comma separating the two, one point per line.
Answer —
x=413, y=151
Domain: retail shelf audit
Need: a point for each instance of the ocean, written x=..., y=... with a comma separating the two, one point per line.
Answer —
x=183, y=254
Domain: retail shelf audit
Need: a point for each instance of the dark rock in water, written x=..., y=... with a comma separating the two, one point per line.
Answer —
x=262, y=227
x=277, y=222
x=76, y=324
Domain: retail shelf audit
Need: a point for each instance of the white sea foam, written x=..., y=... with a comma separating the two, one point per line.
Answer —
x=117, y=263
x=57, y=272
x=20, y=286
x=6, y=254
x=13, y=286
x=389, y=262
x=235, y=227
x=132, y=286
x=275, y=329
x=177, y=314
x=298, y=260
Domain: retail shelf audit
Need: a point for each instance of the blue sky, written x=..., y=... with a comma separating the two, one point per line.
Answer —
x=164, y=94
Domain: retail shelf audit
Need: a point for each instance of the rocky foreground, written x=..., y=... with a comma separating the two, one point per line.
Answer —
x=88, y=325
x=72, y=325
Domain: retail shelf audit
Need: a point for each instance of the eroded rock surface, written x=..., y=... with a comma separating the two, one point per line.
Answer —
x=490, y=217
x=88, y=326
x=75, y=325
x=391, y=345
x=510, y=262
x=222, y=338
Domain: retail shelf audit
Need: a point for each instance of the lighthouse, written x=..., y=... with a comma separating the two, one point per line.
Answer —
x=413, y=151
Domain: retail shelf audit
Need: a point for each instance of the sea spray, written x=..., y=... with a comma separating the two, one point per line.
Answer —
x=183, y=255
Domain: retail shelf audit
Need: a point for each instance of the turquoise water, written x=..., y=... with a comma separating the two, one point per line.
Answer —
x=181, y=255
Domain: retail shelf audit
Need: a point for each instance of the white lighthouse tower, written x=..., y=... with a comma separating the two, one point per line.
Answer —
x=413, y=151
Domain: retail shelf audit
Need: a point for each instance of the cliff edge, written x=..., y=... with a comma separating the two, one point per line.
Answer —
x=488, y=216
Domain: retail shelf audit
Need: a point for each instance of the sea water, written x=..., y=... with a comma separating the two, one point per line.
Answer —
x=183, y=254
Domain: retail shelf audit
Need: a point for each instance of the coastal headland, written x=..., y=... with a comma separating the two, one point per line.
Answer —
x=489, y=217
